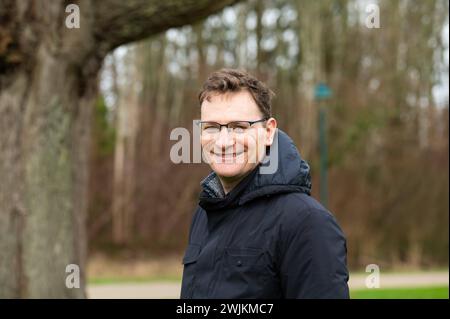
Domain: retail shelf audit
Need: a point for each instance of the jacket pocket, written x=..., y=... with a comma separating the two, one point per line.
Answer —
x=244, y=272
x=244, y=259
x=189, y=261
x=191, y=254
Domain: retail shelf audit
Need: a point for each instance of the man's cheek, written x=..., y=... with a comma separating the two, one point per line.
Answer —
x=243, y=157
x=262, y=144
x=206, y=150
x=241, y=151
x=252, y=147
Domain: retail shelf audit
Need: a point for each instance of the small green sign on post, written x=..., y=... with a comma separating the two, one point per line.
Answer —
x=322, y=93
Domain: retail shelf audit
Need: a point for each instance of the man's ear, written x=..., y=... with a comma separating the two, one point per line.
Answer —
x=271, y=126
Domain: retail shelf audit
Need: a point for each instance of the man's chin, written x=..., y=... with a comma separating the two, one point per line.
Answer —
x=228, y=170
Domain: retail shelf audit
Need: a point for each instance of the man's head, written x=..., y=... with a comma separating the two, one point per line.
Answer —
x=236, y=98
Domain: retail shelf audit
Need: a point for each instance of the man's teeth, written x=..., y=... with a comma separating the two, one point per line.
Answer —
x=232, y=154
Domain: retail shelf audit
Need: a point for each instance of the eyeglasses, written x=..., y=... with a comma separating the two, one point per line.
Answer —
x=236, y=127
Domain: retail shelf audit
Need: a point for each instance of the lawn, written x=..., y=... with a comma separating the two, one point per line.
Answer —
x=440, y=292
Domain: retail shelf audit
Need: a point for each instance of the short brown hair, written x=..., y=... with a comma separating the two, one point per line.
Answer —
x=232, y=80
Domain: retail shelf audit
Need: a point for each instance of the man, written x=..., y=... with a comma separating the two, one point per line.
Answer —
x=256, y=233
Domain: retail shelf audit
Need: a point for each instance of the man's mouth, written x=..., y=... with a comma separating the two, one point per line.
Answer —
x=227, y=158
x=227, y=154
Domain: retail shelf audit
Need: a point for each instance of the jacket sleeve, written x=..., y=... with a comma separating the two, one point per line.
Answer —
x=313, y=257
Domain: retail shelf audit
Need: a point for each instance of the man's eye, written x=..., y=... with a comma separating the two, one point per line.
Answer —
x=210, y=128
x=239, y=128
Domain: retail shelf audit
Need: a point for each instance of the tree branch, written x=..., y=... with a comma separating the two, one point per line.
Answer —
x=118, y=22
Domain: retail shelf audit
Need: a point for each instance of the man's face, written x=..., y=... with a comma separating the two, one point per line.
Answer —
x=233, y=154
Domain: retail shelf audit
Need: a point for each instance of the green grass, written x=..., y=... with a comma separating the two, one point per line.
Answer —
x=440, y=292
x=432, y=292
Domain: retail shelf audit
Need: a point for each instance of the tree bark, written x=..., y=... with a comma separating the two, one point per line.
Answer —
x=48, y=85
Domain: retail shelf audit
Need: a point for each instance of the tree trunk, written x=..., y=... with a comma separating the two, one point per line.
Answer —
x=124, y=158
x=48, y=76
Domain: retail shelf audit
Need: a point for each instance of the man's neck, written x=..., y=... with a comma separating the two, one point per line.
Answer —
x=228, y=183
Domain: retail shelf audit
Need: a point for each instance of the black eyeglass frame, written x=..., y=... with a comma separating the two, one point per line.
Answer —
x=226, y=125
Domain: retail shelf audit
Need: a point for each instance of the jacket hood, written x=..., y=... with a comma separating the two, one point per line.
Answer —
x=285, y=173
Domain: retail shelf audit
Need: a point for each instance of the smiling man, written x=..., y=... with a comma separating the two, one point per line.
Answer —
x=257, y=234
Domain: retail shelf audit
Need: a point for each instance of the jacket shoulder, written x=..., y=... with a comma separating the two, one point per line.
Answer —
x=299, y=212
x=299, y=205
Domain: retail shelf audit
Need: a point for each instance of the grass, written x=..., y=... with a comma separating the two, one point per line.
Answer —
x=435, y=292
x=438, y=292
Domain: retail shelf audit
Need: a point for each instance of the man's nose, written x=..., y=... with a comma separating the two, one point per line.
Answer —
x=224, y=138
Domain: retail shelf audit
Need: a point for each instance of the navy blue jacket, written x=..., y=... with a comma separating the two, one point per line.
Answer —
x=267, y=238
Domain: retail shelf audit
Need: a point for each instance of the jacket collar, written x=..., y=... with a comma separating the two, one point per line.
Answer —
x=292, y=175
